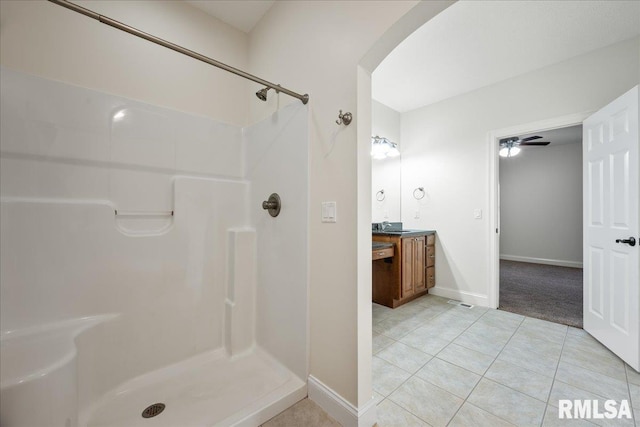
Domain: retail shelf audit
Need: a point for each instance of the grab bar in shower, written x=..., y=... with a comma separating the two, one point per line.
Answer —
x=142, y=213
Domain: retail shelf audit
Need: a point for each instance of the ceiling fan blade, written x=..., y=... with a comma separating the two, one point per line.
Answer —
x=530, y=138
x=541, y=143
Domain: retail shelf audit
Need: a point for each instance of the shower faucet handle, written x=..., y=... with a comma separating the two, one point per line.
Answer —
x=272, y=205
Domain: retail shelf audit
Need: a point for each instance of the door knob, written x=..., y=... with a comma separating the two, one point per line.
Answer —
x=631, y=241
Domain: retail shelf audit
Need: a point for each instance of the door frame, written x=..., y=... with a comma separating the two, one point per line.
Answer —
x=493, y=138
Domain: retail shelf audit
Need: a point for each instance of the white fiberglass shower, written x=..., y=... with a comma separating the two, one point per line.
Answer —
x=138, y=266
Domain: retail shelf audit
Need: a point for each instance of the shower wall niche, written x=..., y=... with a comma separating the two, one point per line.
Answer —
x=134, y=248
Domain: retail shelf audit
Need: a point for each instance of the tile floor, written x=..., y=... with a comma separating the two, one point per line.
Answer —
x=436, y=364
x=303, y=414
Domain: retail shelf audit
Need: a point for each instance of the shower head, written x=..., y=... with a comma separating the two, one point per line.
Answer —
x=262, y=94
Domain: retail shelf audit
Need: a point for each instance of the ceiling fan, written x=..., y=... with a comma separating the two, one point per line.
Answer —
x=511, y=146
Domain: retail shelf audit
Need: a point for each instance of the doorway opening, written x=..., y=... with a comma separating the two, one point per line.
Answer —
x=540, y=178
x=538, y=220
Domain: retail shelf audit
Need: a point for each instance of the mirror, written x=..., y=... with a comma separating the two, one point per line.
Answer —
x=385, y=173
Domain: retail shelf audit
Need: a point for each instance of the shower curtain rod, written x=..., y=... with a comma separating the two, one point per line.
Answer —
x=134, y=31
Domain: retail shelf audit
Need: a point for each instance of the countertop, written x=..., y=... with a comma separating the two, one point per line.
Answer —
x=404, y=233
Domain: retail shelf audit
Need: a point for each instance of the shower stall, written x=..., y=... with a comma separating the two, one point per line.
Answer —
x=142, y=282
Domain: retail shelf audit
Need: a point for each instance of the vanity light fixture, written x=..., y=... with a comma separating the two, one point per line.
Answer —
x=381, y=148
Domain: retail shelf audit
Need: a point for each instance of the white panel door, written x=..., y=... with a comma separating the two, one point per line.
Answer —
x=611, y=227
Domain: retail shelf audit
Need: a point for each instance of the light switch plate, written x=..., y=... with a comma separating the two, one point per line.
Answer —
x=477, y=213
x=329, y=212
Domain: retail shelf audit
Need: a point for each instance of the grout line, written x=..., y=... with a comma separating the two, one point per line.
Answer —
x=555, y=373
x=414, y=374
x=633, y=413
x=594, y=371
x=451, y=341
x=520, y=327
x=411, y=374
x=483, y=375
x=511, y=388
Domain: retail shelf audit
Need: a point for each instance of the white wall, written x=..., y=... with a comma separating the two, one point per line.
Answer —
x=541, y=205
x=283, y=241
x=385, y=173
x=41, y=38
x=315, y=47
x=446, y=150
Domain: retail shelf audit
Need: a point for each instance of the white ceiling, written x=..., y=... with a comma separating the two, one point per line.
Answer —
x=473, y=44
x=243, y=15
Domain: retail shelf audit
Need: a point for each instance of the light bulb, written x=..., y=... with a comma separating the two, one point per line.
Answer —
x=382, y=148
x=378, y=151
x=393, y=151
x=509, y=151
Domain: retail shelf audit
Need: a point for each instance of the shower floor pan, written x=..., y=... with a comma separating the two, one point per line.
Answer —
x=211, y=389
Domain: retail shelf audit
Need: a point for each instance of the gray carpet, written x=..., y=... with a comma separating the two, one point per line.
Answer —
x=542, y=291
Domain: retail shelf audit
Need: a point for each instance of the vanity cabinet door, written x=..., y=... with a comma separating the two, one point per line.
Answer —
x=431, y=277
x=407, y=267
x=418, y=264
x=430, y=261
x=431, y=256
x=413, y=259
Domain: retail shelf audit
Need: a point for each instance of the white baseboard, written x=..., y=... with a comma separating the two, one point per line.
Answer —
x=558, y=262
x=466, y=297
x=339, y=409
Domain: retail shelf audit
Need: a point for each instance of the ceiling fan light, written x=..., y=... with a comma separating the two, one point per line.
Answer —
x=508, y=151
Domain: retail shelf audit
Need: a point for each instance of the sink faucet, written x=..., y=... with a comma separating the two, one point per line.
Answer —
x=385, y=225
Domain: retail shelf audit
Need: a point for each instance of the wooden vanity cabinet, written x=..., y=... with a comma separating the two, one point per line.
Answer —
x=409, y=274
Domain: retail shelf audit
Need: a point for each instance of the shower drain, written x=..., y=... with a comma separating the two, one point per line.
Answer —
x=153, y=410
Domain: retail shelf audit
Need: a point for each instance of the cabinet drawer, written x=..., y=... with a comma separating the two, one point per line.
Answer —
x=431, y=256
x=382, y=253
x=431, y=240
x=431, y=277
